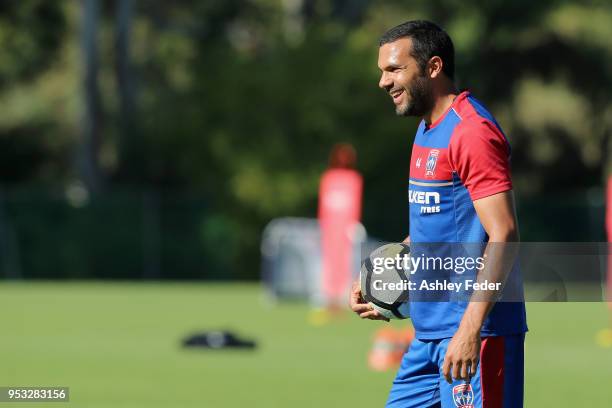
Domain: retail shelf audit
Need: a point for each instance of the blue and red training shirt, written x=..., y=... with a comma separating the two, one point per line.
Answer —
x=461, y=157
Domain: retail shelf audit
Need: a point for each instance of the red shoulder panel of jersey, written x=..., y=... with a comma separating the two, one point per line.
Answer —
x=480, y=155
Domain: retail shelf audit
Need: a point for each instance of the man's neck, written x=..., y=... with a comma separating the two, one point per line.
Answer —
x=442, y=102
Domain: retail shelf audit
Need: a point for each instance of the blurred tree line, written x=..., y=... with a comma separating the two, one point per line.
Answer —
x=196, y=122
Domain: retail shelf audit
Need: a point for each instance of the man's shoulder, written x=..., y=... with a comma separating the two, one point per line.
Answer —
x=473, y=115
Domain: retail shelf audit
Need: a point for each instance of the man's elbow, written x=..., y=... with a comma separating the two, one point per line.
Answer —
x=505, y=233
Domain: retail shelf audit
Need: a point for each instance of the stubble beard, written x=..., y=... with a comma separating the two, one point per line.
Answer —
x=420, y=101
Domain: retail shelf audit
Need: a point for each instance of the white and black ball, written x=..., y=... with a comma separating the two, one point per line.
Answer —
x=378, y=275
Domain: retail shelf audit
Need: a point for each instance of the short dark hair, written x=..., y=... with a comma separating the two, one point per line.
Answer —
x=428, y=40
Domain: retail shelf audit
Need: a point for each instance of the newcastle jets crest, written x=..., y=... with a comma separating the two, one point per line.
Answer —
x=463, y=396
x=430, y=165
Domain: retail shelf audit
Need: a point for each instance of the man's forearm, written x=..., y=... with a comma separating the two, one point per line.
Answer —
x=500, y=254
x=475, y=315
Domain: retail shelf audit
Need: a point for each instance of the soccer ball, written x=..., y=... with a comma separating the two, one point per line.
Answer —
x=384, y=280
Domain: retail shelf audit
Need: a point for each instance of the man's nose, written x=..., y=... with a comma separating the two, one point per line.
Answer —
x=385, y=81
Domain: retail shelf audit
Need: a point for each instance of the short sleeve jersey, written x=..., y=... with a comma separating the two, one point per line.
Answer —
x=461, y=157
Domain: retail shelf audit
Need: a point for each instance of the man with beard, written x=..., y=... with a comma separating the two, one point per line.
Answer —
x=465, y=354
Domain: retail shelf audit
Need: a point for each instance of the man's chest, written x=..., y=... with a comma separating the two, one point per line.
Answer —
x=430, y=163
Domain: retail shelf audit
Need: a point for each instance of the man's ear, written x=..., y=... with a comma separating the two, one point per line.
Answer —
x=434, y=66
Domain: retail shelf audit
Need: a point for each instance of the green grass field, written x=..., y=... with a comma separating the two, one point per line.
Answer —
x=118, y=345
